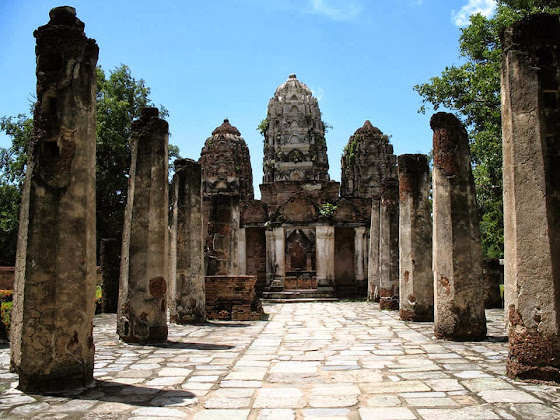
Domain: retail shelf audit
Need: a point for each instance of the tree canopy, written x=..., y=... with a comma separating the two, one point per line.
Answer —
x=472, y=91
x=120, y=98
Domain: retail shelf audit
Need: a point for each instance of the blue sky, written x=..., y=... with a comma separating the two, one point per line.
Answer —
x=215, y=59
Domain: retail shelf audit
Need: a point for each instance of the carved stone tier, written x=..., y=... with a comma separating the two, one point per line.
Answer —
x=295, y=147
x=366, y=162
x=226, y=164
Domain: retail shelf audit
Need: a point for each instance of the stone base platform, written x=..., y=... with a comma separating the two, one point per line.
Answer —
x=299, y=295
x=337, y=360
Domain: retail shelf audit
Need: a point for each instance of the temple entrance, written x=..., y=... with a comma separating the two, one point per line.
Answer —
x=300, y=259
x=344, y=262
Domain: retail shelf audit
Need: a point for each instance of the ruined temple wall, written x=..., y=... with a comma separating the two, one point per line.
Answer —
x=277, y=193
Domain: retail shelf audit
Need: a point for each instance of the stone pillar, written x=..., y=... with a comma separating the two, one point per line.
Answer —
x=110, y=256
x=416, y=280
x=187, y=304
x=531, y=152
x=457, y=255
x=242, y=252
x=389, y=245
x=172, y=253
x=142, y=315
x=325, y=258
x=54, y=297
x=373, y=260
x=360, y=249
x=234, y=250
x=280, y=259
x=270, y=258
x=493, y=273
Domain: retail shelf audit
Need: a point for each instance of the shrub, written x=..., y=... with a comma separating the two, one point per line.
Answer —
x=6, y=315
x=98, y=300
x=6, y=295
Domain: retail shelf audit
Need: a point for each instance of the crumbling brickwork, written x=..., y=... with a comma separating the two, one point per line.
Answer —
x=226, y=164
x=366, y=162
x=232, y=298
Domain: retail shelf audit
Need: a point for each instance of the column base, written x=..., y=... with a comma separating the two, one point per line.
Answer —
x=37, y=383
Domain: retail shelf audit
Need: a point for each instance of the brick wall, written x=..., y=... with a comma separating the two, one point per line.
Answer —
x=232, y=298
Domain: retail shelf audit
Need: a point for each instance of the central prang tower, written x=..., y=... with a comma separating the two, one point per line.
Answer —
x=294, y=136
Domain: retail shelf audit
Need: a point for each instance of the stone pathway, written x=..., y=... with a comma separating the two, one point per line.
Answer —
x=335, y=360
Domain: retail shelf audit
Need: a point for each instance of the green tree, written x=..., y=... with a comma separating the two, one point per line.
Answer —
x=472, y=91
x=119, y=99
x=12, y=173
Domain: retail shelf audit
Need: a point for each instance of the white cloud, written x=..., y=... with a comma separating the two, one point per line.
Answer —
x=484, y=7
x=317, y=93
x=336, y=9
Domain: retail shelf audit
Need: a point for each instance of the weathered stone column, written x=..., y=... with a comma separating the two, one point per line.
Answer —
x=325, y=258
x=242, y=252
x=270, y=258
x=416, y=280
x=234, y=250
x=457, y=257
x=275, y=259
x=110, y=258
x=142, y=315
x=389, y=245
x=172, y=252
x=360, y=248
x=280, y=257
x=54, y=300
x=373, y=260
x=531, y=152
x=188, y=302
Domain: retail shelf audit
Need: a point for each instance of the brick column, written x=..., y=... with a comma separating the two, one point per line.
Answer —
x=531, y=152
x=54, y=300
x=416, y=280
x=187, y=304
x=457, y=258
x=142, y=315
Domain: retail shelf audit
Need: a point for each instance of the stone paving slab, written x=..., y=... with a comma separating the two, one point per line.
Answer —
x=311, y=360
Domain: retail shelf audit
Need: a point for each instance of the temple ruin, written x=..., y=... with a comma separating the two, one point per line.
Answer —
x=308, y=236
x=371, y=235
